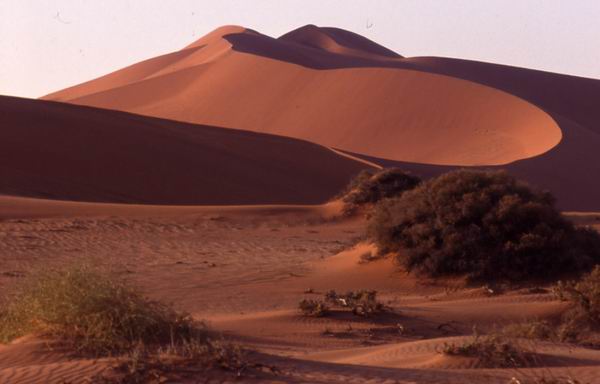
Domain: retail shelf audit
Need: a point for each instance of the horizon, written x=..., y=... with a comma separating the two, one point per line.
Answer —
x=77, y=43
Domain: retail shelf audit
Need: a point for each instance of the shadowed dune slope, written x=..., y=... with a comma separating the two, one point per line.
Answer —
x=62, y=151
x=238, y=78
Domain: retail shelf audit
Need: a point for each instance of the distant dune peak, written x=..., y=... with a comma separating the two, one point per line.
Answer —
x=337, y=40
x=219, y=34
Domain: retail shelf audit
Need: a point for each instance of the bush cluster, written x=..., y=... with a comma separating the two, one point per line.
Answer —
x=485, y=225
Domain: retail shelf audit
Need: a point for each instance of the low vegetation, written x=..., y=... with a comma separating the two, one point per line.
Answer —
x=93, y=312
x=580, y=322
x=582, y=318
x=313, y=308
x=484, y=225
x=491, y=352
x=544, y=380
x=369, y=187
x=361, y=303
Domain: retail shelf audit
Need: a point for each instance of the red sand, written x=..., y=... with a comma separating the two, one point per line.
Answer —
x=69, y=152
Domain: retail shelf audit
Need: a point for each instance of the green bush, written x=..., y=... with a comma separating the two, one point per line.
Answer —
x=93, y=312
x=485, y=225
x=369, y=187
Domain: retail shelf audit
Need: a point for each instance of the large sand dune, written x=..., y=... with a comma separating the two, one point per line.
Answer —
x=365, y=101
x=62, y=151
x=338, y=89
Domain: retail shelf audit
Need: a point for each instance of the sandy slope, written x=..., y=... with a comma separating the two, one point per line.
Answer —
x=393, y=113
x=245, y=269
x=62, y=151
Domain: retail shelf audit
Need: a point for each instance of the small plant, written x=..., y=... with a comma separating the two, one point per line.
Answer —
x=313, y=308
x=362, y=303
x=490, y=351
x=369, y=187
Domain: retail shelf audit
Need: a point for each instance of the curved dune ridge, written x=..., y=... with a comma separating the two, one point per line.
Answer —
x=238, y=78
x=68, y=152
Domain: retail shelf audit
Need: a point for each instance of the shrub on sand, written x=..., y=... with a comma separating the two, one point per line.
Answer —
x=94, y=312
x=362, y=303
x=583, y=316
x=485, y=225
x=313, y=308
x=490, y=352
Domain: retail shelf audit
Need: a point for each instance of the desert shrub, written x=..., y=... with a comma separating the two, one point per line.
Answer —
x=485, y=225
x=369, y=187
x=93, y=311
x=313, y=308
x=174, y=363
x=362, y=303
x=490, y=351
x=545, y=380
x=535, y=330
x=583, y=314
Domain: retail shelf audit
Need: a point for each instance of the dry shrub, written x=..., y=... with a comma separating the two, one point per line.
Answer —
x=534, y=330
x=92, y=311
x=491, y=351
x=582, y=318
x=369, y=187
x=362, y=303
x=313, y=308
x=484, y=225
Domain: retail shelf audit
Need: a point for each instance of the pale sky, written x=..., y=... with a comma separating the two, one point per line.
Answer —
x=48, y=45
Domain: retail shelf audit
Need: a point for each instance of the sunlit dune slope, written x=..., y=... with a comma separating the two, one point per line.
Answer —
x=62, y=151
x=241, y=79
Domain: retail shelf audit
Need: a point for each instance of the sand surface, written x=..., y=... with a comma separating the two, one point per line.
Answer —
x=244, y=269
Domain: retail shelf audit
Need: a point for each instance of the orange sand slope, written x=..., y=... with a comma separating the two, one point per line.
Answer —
x=62, y=151
x=241, y=79
x=338, y=89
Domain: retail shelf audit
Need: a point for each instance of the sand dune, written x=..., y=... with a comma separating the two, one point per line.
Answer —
x=381, y=112
x=68, y=152
x=338, y=89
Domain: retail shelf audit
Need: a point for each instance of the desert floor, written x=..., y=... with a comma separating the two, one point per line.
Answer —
x=244, y=270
